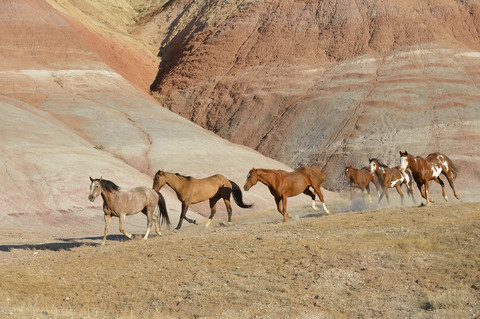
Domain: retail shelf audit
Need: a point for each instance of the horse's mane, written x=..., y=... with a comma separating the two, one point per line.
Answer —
x=381, y=164
x=109, y=186
x=182, y=176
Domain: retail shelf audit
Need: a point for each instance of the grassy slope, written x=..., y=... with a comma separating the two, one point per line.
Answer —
x=397, y=262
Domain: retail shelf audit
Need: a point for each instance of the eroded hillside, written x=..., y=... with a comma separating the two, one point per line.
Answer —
x=328, y=83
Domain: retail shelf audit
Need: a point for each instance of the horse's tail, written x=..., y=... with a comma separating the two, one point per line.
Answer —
x=454, y=167
x=163, y=210
x=237, y=196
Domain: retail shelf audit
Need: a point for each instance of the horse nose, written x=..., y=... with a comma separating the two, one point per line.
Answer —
x=246, y=188
x=91, y=198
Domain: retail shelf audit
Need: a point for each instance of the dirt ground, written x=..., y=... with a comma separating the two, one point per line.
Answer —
x=398, y=262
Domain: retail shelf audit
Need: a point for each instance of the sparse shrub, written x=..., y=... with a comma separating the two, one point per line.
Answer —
x=452, y=299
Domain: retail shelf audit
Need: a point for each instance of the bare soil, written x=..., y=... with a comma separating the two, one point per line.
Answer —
x=400, y=262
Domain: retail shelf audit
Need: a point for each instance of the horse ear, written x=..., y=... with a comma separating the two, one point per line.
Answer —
x=91, y=179
x=100, y=179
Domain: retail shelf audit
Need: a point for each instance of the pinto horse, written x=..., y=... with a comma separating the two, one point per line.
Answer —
x=426, y=169
x=191, y=190
x=121, y=203
x=361, y=178
x=391, y=177
x=287, y=184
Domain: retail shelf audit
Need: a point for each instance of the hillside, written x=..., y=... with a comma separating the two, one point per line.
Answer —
x=327, y=83
x=72, y=106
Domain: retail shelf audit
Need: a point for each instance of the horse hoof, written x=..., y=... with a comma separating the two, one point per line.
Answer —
x=195, y=222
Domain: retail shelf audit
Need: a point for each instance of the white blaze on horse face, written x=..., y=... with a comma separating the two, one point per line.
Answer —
x=403, y=163
x=373, y=168
x=94, y=186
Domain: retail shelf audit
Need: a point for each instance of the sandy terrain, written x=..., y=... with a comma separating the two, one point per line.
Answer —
x=399, y=262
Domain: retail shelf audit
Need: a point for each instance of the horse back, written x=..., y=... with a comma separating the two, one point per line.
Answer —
x=313, y=175
x=134, y=200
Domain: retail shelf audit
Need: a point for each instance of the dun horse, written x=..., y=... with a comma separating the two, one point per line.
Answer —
x=426, y=169
x=191, y=191
x=361, y=178
x=391, y=177
x=284, y=184
x=121, y=203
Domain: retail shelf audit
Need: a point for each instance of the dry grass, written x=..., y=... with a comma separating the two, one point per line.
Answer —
x=395, y=263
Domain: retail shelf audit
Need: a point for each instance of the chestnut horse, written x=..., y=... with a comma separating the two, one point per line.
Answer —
x=426, y=169
x=121, y=203
x=361, y=178
x=287, y=184
x=191, y=191
x=391, y=177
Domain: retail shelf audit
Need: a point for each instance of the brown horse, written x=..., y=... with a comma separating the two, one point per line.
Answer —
x=287, y=184
x=391, y=177
x=191, y=191
x=426, y=169
x=121, y=203
x=361, y=178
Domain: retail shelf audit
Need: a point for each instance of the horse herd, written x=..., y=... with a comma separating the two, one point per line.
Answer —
x=121, y=203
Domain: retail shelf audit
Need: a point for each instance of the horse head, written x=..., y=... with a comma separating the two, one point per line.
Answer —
x=348, y=172
x=252, y=179
x=95, y=188
x=159, y=180
x=404, y=158
x=373, y=165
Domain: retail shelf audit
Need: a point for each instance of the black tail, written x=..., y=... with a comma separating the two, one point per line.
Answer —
x=237, y=196
x=163, y=210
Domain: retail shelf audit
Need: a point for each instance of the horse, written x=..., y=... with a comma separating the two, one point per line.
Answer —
x=361, y=178
x=121, y=203
x=284, y=184
x=426, y=169
x=191, y=190
x=391, y=177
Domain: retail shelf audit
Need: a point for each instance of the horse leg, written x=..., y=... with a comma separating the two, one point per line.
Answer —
x=182, y=216
x=150, y=219
x=107, y=225
x=284, y=202
x=351, y=194
x=448, y=175
x=156, y=221
x=363, y=194
x=384, y=191
x=399, y=190
x=320, y=195
x=213, y=209
x=308, y=192
x=444, y=194
x=122, y=230
x=229, y=209
x=191, y=221
x=410, y=191
x=427, y=191
x=368, y=192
